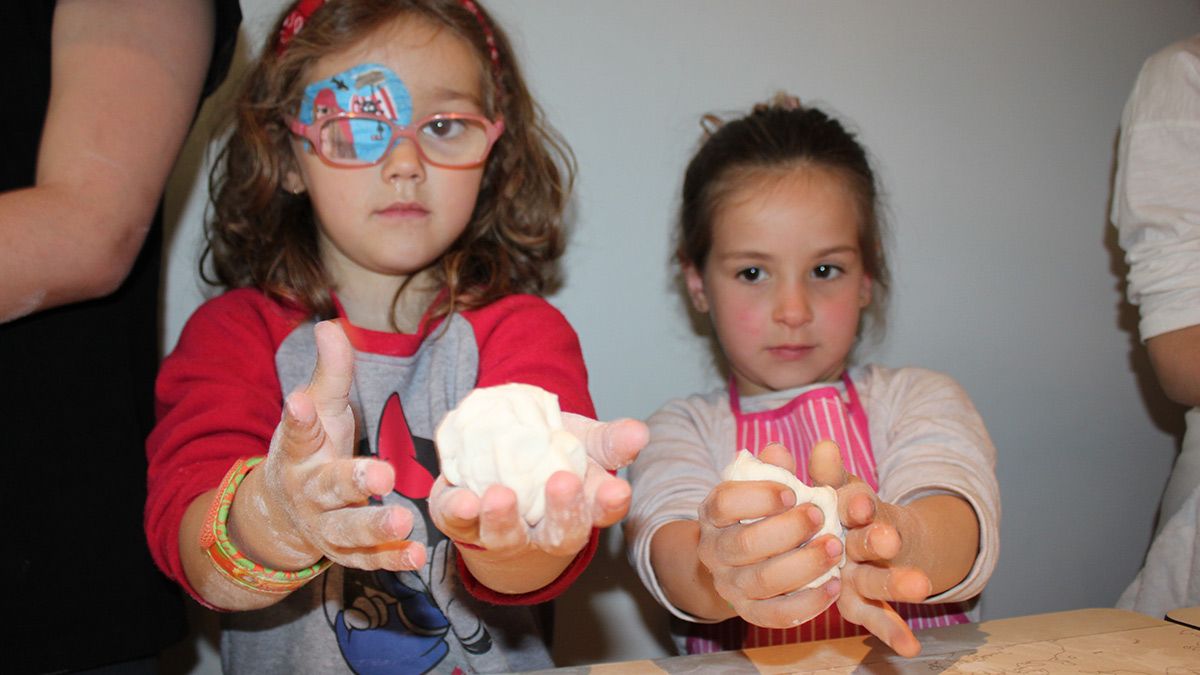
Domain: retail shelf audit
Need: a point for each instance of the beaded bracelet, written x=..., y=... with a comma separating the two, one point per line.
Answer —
x=214, y=540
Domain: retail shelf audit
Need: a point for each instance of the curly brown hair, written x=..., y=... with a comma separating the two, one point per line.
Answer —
x=263, y=237
x=780, y=135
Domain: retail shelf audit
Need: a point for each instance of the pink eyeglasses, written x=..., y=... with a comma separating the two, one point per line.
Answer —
x=448, y=140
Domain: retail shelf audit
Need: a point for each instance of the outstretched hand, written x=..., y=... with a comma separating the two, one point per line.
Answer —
x=759, y=566
x=313, y=493
x=871, y=578
x=573, y=506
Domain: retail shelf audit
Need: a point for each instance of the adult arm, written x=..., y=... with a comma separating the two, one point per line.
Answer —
x=1156, y=209
x=126, y=76
x=1176, y=359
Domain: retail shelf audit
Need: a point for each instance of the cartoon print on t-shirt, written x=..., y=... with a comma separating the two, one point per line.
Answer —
x=401, y=620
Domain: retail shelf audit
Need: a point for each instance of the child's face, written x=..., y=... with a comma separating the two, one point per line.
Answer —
x=398, y=217
x=784, y=284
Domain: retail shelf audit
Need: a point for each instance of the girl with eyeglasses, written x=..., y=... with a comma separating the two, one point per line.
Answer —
x=386, y=213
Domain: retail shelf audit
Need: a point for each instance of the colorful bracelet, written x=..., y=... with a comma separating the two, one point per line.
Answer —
x=214, y=541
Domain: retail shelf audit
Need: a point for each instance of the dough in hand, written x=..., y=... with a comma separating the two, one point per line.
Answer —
x=512, y=435
x=748, y=467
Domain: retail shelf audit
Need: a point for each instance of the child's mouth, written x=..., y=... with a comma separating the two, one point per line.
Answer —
x=790, y=352
x=403, y=210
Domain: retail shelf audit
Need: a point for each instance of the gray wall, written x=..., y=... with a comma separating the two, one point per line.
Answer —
x=993, y=126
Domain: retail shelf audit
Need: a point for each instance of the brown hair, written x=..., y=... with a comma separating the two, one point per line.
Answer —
x=261, y=236
x=780, y=135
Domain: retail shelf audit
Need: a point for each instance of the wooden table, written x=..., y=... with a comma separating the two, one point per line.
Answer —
x=1079, y=641
x=1188, y=616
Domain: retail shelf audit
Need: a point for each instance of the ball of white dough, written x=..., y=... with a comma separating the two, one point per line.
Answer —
x=510, y=435
x=748, y=467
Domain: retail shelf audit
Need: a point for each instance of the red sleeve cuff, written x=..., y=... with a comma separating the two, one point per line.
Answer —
x=547, y=592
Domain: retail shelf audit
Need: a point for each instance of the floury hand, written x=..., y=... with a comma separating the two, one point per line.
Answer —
x=310, y=497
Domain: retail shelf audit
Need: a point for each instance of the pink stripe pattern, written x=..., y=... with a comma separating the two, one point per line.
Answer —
x=816, y=415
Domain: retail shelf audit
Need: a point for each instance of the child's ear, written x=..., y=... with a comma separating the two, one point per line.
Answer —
x=695, y=287
x=293, y=182
x=864, y=292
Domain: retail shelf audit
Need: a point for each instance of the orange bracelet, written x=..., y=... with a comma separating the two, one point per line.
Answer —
x=224, y=556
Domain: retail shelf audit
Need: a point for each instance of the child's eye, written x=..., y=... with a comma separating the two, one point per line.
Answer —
x=443, y=129
x=752, y=274
x=827, y=271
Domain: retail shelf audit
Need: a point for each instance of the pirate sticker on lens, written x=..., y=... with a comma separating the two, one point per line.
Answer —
x=366, y=89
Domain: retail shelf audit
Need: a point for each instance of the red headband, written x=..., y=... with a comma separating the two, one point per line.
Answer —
x=488, y=36
x=296, y=19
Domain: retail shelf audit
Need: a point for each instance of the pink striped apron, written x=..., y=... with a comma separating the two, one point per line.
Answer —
x=815, y=415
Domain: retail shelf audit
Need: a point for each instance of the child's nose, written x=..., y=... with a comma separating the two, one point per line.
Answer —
x=403, y=162
x=791, y=305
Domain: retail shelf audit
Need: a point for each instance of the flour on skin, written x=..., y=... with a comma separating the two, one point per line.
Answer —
x=748, y=467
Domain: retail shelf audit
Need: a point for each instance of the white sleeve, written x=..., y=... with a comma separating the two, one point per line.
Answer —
x=928, y=439
x=671, y=477
x=1156, y=201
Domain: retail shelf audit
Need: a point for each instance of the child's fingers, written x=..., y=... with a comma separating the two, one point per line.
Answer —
x=731, y=502
x=878, y=617
x=612, y=445
x=857, y=504
x=300, y=433
x=875, y=542
x=769, y=537
x=567, y=522
x=365, y=527
x=789, y=571
x=825, y=465
x=397, y=556
x=826, y=468
x=608, y=497
x=897, y=584
x=789, y=611
x=455, y=511
x=610, y=501
x=501, y=526
x=349, y=482
x=777, y=454
x=331, y=379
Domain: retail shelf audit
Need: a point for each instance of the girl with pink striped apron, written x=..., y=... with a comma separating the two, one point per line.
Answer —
x=815, y=415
